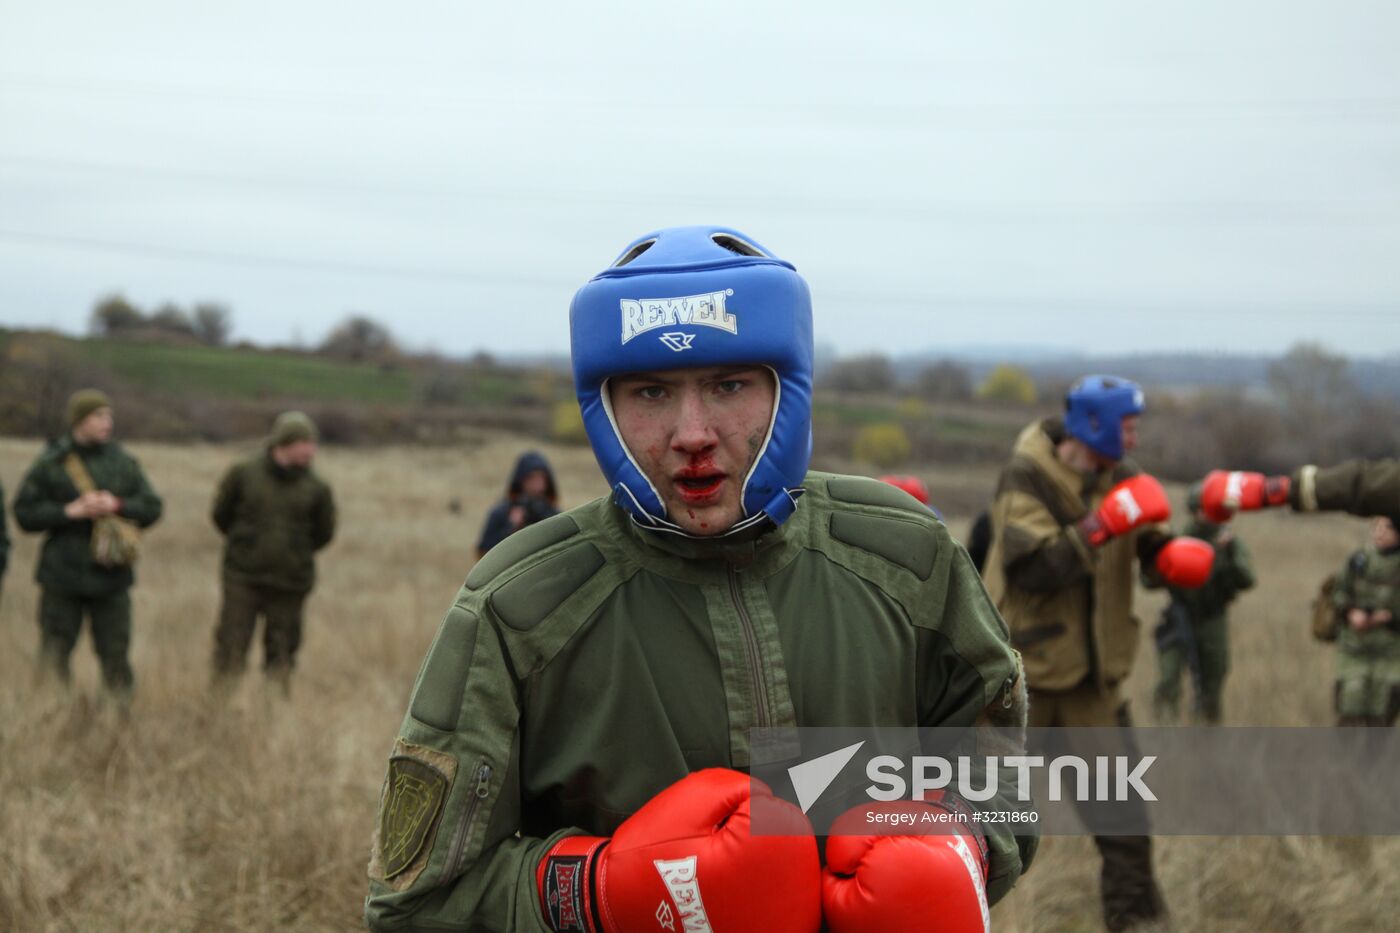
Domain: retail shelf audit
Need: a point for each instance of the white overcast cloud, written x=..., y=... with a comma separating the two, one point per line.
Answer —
x=1104, y=176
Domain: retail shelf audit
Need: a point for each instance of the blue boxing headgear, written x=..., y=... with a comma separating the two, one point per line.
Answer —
x=1095, y=409
x=690, y=297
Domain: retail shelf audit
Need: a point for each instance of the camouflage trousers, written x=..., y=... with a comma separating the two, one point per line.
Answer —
x=1212, y=647
x=61, y=622
x=1126, y=881
x=281, y=611
x=1368, y=689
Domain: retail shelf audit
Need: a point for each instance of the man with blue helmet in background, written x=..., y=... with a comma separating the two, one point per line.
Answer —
x=573, y=753
x=1070, y=516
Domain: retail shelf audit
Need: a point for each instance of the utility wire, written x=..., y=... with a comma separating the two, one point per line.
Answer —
x=862, y=299
x=1213, y=211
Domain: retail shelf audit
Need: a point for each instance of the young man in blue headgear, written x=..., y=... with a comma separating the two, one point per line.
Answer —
x=1071, y=515
x=573, y=754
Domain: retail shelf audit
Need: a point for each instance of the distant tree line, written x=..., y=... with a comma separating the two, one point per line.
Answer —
x=207, y=322
x=942, y=381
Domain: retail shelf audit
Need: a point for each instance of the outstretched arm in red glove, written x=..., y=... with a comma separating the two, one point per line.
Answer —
x=933, y=879
x=1223, y=493
x=1137, y=501
x=687, y=861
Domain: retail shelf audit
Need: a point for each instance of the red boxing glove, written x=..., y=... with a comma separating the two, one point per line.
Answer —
x=934, y=882
x=1185, y=563
x=687, y=861
x=1135, y=502
x=1222, y=493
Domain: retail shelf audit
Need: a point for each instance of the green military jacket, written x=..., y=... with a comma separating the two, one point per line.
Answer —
x=4, y=535
x=274, y=520
x=65, y=562
x=587, y=664
x=1069, y=605
x=1231, y=574
x=1358, y=486
x=1370, y=580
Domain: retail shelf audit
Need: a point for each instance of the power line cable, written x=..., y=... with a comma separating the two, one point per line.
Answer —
x=1214, y=211
x=925, y=302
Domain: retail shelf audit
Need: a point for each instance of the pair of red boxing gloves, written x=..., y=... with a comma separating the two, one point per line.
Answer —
x=1140, y=500
x=687, y=862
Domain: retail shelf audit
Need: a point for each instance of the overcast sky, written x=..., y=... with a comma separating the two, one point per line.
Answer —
x=1094, y=175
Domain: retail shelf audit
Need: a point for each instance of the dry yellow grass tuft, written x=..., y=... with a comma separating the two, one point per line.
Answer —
x=257, y=814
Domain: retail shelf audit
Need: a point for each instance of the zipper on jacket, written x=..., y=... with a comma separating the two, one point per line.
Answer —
x=755, y=658
x=459, y=839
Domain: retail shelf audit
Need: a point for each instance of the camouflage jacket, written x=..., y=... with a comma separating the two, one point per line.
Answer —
x=274, y=520
x=1370, y=580
x=65, y=562
x=588, y=664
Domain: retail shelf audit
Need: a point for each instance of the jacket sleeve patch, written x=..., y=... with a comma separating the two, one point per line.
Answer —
x=520, y=545
x=525, y=601
x=906, y=543
x=438, y=700
x=410, y=810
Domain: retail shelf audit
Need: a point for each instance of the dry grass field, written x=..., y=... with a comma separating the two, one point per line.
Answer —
x=256, y=815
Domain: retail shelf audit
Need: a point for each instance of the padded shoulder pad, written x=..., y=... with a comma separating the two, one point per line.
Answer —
x=525, y=601
x=912, y=545
x=519, y=546
x=438, y=700
x=858, y=490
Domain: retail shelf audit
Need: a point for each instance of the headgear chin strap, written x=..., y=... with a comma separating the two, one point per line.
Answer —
x=686, y=298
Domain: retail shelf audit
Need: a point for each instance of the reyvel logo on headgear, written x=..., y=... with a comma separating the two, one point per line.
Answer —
x=643, y=314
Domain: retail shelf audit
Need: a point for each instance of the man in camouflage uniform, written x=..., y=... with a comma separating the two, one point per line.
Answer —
x=275, y=514
x=72, y=582
x=1194, y=632
x=1367, y=601
x=1070, y=517
x=600, y=671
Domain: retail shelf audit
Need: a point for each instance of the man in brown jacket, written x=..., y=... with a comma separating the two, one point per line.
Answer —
x=1070, y=518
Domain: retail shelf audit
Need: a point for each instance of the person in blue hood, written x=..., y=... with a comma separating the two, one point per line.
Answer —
x=531, y=497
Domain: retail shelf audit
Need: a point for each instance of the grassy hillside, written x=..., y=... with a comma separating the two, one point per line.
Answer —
x=219, y=372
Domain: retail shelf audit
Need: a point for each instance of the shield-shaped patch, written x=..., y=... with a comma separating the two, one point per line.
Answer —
x=415, y=796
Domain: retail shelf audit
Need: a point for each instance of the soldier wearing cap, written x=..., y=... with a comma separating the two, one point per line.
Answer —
x=82, y=491
x=275, y=513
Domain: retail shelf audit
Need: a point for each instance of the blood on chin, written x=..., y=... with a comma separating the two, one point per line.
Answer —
x=709, y=517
